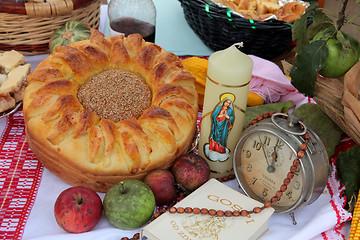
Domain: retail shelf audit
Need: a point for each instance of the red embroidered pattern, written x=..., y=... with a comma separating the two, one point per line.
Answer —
x=20, y=175
x=337, y=198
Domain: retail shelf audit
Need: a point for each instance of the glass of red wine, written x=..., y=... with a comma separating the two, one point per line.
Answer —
x=132, y=16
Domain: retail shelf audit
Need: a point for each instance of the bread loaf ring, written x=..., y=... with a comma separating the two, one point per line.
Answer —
x=84, y=149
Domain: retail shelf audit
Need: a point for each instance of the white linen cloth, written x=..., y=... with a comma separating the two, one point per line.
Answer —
x=324, y=219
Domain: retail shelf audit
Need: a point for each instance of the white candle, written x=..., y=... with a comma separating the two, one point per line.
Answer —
x=227, y=87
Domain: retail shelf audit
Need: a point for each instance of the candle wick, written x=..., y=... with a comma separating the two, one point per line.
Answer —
x=239, y=45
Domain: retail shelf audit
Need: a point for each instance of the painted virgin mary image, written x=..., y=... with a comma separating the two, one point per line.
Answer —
x=222, y=119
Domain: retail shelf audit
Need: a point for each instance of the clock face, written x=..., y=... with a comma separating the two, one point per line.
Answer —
x=263, y=162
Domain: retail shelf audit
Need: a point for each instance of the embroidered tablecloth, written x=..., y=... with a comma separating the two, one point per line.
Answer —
x=20, y=176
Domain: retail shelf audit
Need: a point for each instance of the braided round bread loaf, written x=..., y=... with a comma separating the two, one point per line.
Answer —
x=85, y=149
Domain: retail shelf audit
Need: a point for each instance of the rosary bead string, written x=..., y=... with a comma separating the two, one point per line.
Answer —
x=243, y=213
x=290, y=175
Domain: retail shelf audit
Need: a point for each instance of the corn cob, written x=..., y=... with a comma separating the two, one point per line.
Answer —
x=355, y=223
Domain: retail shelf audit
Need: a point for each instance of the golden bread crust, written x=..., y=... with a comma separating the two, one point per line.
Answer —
x=83, y=149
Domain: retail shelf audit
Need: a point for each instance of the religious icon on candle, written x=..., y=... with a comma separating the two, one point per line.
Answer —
x=227, y=87
x=222, y=121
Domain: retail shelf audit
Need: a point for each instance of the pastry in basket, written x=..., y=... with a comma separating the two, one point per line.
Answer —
x=264, y=9
x=110, y=108
x=13, y=79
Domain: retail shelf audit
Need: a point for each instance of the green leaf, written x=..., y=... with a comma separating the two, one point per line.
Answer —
x=348, y=172
x=317, y=120
x=341, y=38
x=325, y=34
x=252, y=112
x=307, y=65
x=299, y=28
x=321, y=23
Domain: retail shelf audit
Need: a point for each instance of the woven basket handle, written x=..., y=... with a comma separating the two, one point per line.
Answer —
x=44, y=9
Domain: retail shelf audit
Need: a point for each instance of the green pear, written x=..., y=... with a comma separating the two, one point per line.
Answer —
x=340, y=58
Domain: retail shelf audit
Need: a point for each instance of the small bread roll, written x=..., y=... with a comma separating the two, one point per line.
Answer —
x=291, y=17
x=11, y=59
x=290, y=12
x=247, y=5
x=248, y=14
x=271, y=7
x=16, y=79
x=265, y=16
x=6, y=102
x=294, y=7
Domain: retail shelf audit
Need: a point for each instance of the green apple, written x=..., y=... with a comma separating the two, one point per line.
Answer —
x=340, y=59
x=129, y=204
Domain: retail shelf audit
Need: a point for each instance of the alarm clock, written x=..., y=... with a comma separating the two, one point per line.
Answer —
x=264, y=155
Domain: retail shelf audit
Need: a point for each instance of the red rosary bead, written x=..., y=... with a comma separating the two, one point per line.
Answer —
x=244, y=213
x=303, y=147
x=257, y=210
x=307, y=136
x=180, y=210
x=287, y=181
x=296, y=162
x=188, y=210
x=300, y=154
x=293, y=168
x=236, y=213
x=204, y=211
x=228, y=213
x=156, y=214
x=172, y=210
x=212, y=212
x=196, y=210
x=278, y=194
x=290, y=175
x=274, y=199
x=220, y=213
x=267, y=204
x=283, y=188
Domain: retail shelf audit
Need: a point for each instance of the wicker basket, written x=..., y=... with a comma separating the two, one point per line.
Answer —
x=27, y=27
x=219, y=28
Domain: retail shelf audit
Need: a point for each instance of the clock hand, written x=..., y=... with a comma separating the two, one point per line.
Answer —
x=270, y=167
x=274, y=155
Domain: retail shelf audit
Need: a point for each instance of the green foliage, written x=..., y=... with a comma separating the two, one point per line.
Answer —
x=316, y=54
x=317, y=120
x=311, y=48
x=300, y=27
x=348, y=172
x=252, y=112
x=322, y=25
x=307, y=65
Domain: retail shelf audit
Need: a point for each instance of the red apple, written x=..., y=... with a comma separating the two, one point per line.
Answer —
x=161, y=182
x=78, y=209
x=191, y=171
